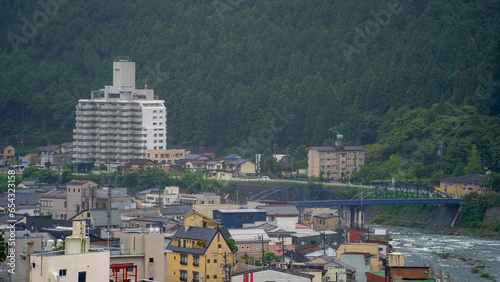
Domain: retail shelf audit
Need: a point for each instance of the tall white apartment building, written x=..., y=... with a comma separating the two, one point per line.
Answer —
x=118, y=123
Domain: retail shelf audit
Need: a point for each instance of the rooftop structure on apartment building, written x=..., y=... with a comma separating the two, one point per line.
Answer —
x=119, y=123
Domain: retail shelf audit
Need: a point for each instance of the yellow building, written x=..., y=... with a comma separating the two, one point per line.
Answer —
x=372, y=249
x=462, y=185
x=336, y=162
x=200, y=251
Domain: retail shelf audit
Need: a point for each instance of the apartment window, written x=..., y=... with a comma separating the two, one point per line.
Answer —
x=322, y=160
x=155, y=135
x=155, y=141
x=62, y=272
x=154, y=111
x=322, y=153
x=184, y=275
x=196, y=260
x=154, y=123
x=161, y=147
x=184, y=259
x=151, y=260
x=215, y=261
x=156, y=155
x=196, y=276
x=220, y=246
x=154, y=117
x=208, y=260
x=215, y=276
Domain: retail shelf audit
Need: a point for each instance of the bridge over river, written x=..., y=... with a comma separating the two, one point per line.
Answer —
x=352, y=209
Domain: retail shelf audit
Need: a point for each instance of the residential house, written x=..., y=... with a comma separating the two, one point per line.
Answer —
x=195, y=165
x=176, y=211
x=463, y=185
x=325, y=221
x=199, y=220
x=303, y=241
x=309, y=213
x=33, y=159
x=213, y=167
x=7, y=152
x=251, y=242
x=47, y=153
x=75, y=195
x=286, y=216
x=358, y=260
x=54, y=204
x=168, y=196
x=339, y=271
x=167, y=225
x=236, y=218
x=99, y=218
x=363, y=248
x=336, y=162
x=197, y=253
x=239, y=167
x=271, y=274
x=139, y=165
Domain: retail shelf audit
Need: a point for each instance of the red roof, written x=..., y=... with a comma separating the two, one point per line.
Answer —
x=301, y=225
x=309, y=250
x=208, y=154
x=278, y=250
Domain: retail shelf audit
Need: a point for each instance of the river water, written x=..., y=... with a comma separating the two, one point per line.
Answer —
x=418, y=246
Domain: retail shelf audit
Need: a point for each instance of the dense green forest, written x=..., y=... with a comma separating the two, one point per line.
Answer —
x=416, y=80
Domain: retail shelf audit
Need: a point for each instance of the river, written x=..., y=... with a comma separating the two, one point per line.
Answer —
x=418, y=246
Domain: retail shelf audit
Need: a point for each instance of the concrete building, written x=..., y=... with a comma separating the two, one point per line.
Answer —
x=166, y=156
x=253, y=242
x=337, y=162
x=143, y=250
x=118, y=123
x=202, y=198
x=76, y=263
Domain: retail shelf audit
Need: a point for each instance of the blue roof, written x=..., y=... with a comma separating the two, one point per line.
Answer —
x=231, y=156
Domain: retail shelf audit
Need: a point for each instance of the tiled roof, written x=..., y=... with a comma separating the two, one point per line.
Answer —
x=193, y=233
x=100, y=217
x=3, y=146
x=56, y=193
x=309, y=250
x=469, y=179
x=176, y=209
x=138, y=162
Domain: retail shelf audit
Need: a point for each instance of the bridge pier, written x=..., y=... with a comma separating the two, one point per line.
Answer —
x=353, y=216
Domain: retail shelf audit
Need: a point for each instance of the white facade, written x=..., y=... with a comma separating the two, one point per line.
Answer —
x=119, y=122
x=93, y=266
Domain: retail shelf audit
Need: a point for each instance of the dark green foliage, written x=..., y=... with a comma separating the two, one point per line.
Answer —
x=3, y=246
x=46, y=175
x=224, y=79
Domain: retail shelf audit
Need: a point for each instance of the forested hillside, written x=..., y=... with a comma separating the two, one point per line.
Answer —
x=405, y=76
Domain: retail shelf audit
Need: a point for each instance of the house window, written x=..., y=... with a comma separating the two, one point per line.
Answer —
x=220, y=246
x=196, y=260
x=62, y=272
x=184, y=275
x=151, y=260
x=215, y=261
x=184, y=259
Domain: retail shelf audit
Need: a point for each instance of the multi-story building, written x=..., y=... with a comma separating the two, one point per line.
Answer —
x=463, y=185
x=118, y=123
x=336, y=162
x=200, y=254
x=166, y=156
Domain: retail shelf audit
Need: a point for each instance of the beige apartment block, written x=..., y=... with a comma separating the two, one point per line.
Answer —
x=337, y=162
x=166, y=156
